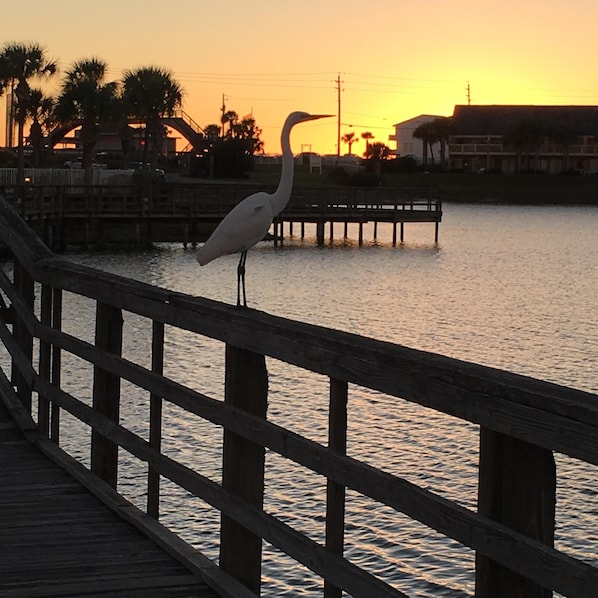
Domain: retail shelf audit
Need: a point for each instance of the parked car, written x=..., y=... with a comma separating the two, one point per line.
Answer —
x=77, y=164
x=142, y=166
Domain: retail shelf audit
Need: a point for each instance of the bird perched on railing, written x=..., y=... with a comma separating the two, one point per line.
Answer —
x=249, y=221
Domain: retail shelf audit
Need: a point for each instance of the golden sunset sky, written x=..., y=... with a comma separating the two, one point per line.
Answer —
x=396, y=59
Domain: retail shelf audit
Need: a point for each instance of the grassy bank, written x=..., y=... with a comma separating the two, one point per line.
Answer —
x=522, y=189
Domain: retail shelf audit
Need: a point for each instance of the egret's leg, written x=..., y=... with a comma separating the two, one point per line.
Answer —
x=241, y=280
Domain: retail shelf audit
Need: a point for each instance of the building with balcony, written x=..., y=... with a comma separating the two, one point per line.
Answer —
x=511, y=139
x=407, y=144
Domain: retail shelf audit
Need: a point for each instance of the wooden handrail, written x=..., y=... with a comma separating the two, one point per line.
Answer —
x=512, y=410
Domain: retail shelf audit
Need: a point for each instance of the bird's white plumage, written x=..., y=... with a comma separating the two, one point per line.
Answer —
x=244, y=226
x=249, y=221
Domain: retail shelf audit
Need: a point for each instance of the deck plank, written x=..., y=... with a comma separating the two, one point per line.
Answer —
x=57, y=539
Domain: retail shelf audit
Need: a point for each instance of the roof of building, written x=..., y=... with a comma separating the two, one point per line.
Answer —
x=418, y=119
x=500, y=119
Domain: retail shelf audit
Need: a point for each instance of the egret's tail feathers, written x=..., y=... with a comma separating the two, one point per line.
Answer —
x=203, y=257
x=209, y=251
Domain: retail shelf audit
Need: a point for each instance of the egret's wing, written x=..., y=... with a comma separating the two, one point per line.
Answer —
x=245, y=225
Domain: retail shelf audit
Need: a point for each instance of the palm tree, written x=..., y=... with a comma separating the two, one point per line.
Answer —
x=212, y=133
x=350, y=139
x=41, y=112
x=525, y=137
x=19, y=63
x=87, y=99
x=428, y=135
x=151, y=93
x=441, y=131
x=230, y=117
x=367, y=136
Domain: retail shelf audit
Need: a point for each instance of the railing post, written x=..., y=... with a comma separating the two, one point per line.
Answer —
x=56, y=364
x=335, y=493
x=45, y=356
x=246, y=387
x=155, y=431
x=517, y=487
x=25, y=287
x=106, y=392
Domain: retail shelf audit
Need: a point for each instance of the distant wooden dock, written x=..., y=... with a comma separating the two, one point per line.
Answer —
x=111, y=214
x=521, y=422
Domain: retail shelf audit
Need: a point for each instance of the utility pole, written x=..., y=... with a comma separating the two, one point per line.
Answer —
x=223, y=110
x=338, y=124
x=468, y=89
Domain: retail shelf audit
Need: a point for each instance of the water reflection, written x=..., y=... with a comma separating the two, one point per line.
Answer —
x=515, y=288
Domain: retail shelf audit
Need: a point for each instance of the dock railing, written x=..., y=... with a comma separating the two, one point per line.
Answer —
x=521, y=422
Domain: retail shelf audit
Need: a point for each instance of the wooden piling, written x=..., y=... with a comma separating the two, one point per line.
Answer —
x=320, y=232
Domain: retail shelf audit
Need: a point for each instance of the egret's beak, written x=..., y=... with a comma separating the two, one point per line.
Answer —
x=316, y=116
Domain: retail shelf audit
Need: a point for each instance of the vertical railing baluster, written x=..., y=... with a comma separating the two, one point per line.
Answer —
x=155, y=431
x=56, y=364
x=45, y=355
x=106, y=392
x=24, y=284
x=335, y=493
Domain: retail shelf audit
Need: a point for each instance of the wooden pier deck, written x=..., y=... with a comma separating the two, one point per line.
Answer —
x=58, y=539
x=48, y=537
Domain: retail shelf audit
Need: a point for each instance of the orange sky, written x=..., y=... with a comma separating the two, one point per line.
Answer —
x=396, y=58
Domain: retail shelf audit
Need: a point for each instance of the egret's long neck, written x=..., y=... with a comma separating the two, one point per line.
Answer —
x=281, y=196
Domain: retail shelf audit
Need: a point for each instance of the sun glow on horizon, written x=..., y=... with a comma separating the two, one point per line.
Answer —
x=395, y=60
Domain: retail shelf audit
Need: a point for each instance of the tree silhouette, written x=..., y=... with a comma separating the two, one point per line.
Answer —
x=428, y=134
x=367, y=136
x=86, y=97
x=41, y=112
x=151, y=93
x=525, y=137
x=19, y=63
x=350, y=139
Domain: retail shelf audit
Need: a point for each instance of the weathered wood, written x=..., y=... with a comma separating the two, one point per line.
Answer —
x=335, y=493
x=106, y=392
x=517, y=487
x=329, y=566
x=59, y=540
x=454, y=521
x=45, y=356
x=246, y=387
x=155, y=433
x=25, y=287
x=526, y=411
x=520, y=405
x=56, y=364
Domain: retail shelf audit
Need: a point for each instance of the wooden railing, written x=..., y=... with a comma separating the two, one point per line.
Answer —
x=522, y=420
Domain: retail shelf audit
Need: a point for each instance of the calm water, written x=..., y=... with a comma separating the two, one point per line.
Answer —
x=511, y=287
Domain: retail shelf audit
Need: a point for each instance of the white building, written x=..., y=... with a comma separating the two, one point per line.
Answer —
x=407, y=144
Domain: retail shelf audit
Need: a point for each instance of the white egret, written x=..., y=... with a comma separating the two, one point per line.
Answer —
x=249, y=221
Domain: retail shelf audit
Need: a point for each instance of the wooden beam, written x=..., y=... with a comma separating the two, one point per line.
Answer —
x=517, y=488
x=106, y=392
x=335, y=493
x=246, y=387
x=155, y=431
